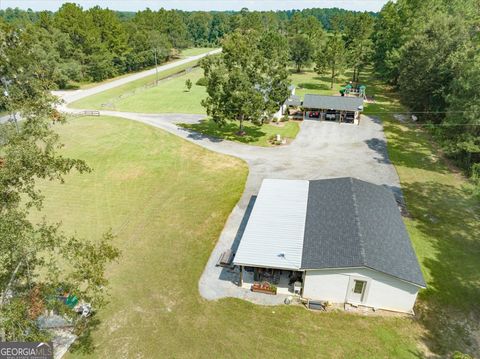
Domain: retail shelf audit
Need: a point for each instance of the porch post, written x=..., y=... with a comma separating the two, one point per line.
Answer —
x=240, y=280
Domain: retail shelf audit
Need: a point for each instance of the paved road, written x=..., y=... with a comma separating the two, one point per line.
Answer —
x=71, y=96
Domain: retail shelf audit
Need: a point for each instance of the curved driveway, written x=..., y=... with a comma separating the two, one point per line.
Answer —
x=321, y=150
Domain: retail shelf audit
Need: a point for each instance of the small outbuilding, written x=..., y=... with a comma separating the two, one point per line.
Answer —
x=339, y=240
x=333, y=108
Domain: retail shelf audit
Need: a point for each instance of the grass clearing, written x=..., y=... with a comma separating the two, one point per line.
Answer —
x=169, y=96
x=308, y=81
x=193, y=51
x=167, y=201
x=445, y=230
x=113, y=98
x=254, y=135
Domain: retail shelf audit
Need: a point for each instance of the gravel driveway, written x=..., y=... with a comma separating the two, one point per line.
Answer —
x=321, y=150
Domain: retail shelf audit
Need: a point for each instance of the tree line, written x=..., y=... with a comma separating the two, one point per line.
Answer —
x=96, y=44
x=430, y=51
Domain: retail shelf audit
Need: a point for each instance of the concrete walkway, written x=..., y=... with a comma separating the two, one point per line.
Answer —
x=321, y=150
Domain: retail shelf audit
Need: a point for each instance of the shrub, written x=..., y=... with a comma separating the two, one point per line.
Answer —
x=202, y=81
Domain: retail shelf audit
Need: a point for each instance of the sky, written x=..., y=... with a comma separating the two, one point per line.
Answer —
x=134, y=5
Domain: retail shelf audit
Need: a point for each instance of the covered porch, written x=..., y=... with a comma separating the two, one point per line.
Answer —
x=271, y=280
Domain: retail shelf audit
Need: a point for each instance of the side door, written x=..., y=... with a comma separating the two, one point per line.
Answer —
x=357, y=290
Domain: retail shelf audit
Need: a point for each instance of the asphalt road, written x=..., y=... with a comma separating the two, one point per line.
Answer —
x=71, y=96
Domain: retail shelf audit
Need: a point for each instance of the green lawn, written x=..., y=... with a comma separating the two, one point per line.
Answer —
x=445, y=229
x=192, y=51
x=168, y=96
x=254, y=135
x=308, y=81
x=167, y=201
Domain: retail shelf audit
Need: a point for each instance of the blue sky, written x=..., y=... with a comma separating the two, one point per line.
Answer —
x=133, y=5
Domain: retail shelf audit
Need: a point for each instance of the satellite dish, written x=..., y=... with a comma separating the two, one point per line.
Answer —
x=281, y=254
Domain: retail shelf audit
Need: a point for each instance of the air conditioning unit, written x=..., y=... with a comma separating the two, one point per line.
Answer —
x=297, y=288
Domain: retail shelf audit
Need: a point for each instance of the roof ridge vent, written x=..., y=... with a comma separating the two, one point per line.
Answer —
x=357, y=222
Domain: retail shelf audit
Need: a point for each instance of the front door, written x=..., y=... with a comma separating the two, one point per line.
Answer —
x=357, y=291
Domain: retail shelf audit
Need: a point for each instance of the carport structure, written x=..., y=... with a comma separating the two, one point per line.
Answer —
x=333, y=108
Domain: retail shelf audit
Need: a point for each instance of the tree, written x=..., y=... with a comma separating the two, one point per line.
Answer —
x=357, y=29
x=428, y=61
x=37, y=259
x=301, y=51
x=188, y=84
x=307, y=25
x=460, y=132
x=199, y=27
x=248, y=80
x=331, y=58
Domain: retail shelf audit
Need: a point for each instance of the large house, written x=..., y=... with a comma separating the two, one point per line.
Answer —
x=339, y=240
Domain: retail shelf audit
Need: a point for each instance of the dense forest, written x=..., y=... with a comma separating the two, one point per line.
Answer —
x=95, y=44
x=428, y=50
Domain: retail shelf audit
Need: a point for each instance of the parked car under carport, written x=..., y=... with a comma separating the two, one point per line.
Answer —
x=333, y=108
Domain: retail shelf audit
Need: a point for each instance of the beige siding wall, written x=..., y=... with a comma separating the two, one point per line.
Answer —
x=382, y=291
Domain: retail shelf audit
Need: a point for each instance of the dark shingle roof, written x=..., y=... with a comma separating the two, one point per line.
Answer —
x=294, y=100
x=344, y=103
x=352, y=223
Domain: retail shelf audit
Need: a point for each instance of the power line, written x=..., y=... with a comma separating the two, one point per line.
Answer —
x=422, y=112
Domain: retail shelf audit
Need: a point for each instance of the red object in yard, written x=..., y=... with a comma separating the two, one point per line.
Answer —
x=263, y=287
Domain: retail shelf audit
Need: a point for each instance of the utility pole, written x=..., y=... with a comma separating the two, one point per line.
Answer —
x=156, y=66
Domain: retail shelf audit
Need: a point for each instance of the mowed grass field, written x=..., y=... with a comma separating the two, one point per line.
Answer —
x=192, y=51
x=140, y=96
x=167, y=201
x=169, y=96
x=308, y=81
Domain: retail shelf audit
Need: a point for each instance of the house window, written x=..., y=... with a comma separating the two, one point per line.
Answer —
x=358, y=288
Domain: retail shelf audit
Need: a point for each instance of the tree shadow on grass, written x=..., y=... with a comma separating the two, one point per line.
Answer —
x=408, y=147
x=227, y=131
x=84, y=344
x=449, y=223
x=314, y=86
